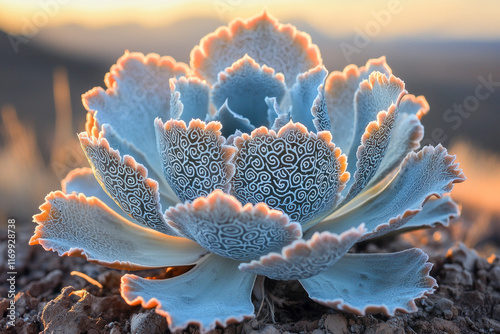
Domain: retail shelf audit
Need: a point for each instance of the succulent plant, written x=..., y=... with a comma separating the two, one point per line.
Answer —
x=265, y=165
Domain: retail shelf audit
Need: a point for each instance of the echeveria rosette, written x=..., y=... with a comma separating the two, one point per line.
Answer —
x=252, y=161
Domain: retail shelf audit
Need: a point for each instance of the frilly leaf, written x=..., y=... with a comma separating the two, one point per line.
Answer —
x=220, y=224
x=430, y=172
x=436, y=211
x=376, y=94
x=126, y=182
x=297, y=172
x=303, y=259
x=83, y=181
x=195, y=159
x=244, y=86
x=281, y=47
x=137, y=92
x=340, y=88
x=75, y=225
x=372, y=150
x=194, y=96
x=275, y=115
x=405, y=138
x=319, y=111
x=416, y=105
x=152, y=164
x=213, y=293
x=303, y=93
x=372, y=283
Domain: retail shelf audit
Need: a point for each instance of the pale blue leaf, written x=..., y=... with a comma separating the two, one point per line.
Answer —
x=294, y=171
x=372, y=283
x=431, y=172
x=213, y=293
x=220, y=224
x=231, y=121
x=195, y=159
x=275, y=115
x=303, y=93
x=245, y=85
x=137, y=92
x=340, y=88
x=126, y=182
x=279, y=46
x=435, y=211
x=194, y=95
x=319, y=111
x=74, y=225
x=304, y=259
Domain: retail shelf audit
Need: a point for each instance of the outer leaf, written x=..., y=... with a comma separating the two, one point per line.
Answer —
x=264, y=39
x=304, y=259
x=137, y=92
x=74, y=225
x=372, y=150
x=220, y=224
x=431, y=172
x=194, y=96
x=376, y=94
x=416, y=105
x=340, y=88
x=405, y=138
x=126, y=182
x=83, y=181
x=214, y=292
x=371, y=283
x=303, y=93
x=195, y=159
x=167, y=195
x=244, y=86
x=435, y=211
x=294, y=171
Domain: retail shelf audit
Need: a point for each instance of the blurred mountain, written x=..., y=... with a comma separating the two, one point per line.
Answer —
x=446, y=72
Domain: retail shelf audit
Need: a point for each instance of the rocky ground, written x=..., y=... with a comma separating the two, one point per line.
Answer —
x=50, y=299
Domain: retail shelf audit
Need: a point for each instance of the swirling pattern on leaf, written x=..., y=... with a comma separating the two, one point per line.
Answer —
x=126, y=182
x=304, y=259
x=319, y=111
x=220, y=224
x=195, y=161
x=294, y=171
x=372, y=150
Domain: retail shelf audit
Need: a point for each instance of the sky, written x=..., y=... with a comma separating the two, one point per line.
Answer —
x=451, y=19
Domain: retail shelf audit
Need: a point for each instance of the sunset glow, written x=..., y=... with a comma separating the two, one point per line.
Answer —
x=447, y=19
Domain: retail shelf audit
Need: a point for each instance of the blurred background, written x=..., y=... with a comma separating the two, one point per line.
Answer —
x=52, y=51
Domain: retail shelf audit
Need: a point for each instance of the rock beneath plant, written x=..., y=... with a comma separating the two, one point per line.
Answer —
x=148, y=322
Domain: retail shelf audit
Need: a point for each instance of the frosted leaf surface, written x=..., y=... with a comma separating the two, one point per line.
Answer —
x=222, y=225
x=279, y=46
x=75, y=225
x=137, y=92
x=435, y=211
x=297, y=172
x=319, y=111
x=373, y=283
x=126, y=182
x=304, y=259
x=231, y=121
x=195, y=159
x=194, y=94
x=244, y=86
x=340, y=88
x=303, y=93
x=213, y=293
x=431, y=172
